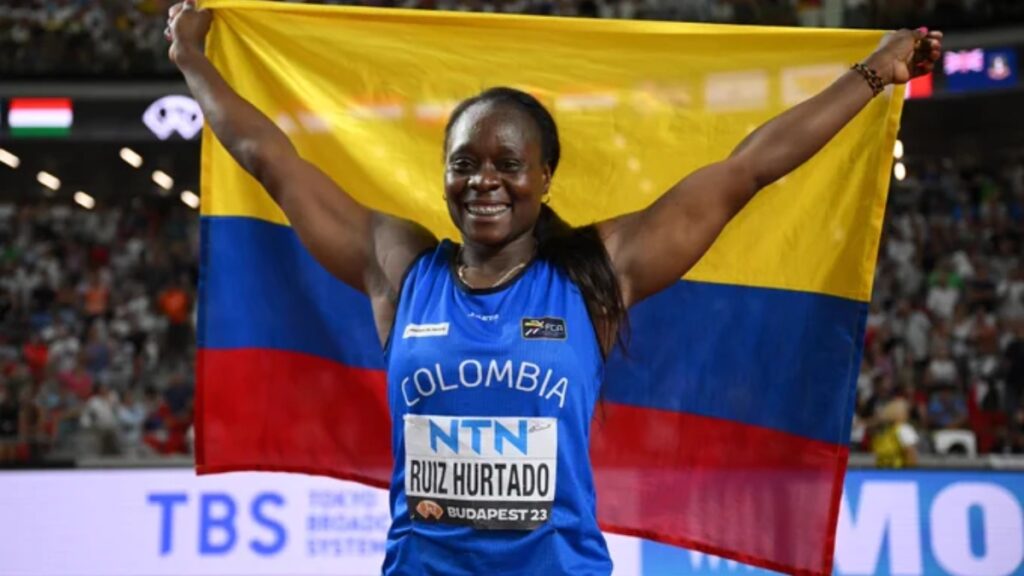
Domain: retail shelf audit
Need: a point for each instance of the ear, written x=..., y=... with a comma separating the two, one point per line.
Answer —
x=547, y=178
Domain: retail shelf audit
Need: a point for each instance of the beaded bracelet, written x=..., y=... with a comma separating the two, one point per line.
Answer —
x=872, y=78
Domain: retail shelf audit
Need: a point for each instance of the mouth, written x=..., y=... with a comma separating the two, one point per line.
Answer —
x=487, y=211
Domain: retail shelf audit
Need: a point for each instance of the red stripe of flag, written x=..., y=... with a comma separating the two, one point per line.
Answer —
x=41, y=103
x=744, y=492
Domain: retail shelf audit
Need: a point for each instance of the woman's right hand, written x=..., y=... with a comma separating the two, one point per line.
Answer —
x=186, y=30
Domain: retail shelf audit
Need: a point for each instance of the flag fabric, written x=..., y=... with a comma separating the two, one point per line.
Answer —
x=724, y=426
x=28, y=117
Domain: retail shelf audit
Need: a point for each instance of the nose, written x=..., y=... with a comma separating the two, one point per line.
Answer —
x=485, y=179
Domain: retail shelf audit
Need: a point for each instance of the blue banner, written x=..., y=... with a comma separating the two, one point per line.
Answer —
x=906, y=523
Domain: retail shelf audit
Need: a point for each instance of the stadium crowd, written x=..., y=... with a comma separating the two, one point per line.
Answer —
x=943, y=363
x=125, y=37
x=97, y=316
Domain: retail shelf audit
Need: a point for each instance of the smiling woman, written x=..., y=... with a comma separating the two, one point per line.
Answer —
x=537, y=302
x=502, y=150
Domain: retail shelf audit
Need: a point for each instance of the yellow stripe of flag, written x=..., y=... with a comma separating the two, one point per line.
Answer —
x=364, y=94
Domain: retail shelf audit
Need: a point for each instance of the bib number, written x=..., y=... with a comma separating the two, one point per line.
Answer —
x=488, y=473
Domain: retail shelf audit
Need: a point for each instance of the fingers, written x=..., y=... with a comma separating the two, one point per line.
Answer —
x=927, y=50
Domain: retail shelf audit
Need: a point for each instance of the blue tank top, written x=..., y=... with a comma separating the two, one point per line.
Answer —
x=491, y=394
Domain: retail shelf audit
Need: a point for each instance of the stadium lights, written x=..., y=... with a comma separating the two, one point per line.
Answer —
x=9, y=159
x=163, y=180
x=48, y=180
x=84, y=200
x=900, y=171
x=190, y=199
x=897, y=151
x=131, y=156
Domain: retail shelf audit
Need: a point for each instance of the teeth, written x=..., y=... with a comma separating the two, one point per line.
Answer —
x=486, y=209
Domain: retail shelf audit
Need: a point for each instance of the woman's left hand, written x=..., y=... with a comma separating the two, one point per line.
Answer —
x=906, y=54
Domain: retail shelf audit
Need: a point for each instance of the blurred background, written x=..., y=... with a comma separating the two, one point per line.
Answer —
x=99, y=239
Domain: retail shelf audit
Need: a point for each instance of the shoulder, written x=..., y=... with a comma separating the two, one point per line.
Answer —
x=397, y=244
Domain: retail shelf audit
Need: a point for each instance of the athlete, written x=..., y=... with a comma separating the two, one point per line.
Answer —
x=495, y=345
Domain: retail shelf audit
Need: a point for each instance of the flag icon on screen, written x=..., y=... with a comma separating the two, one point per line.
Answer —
x=40, y=117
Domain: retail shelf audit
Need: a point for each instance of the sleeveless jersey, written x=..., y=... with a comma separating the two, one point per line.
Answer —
x=491, y=394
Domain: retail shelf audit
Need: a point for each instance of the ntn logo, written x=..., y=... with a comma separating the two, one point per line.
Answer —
x=447, y=434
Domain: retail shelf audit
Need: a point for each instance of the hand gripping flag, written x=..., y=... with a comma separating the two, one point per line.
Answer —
x=724, y=427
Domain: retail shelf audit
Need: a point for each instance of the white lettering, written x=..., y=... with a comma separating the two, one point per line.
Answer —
x=1002, y=530
x=425, y=330
x=430, y=378
x=886, y=509
x=472, y=373
x=479, y=373
x=499, y=375
x=405, y=394
x=440, y=378
x=558, y=390
x=530, y=374
x=544, y=385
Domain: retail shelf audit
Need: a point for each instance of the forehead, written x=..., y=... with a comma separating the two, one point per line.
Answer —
x=487, y=125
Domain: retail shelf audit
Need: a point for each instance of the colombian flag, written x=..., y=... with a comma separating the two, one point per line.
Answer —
x=724, y=426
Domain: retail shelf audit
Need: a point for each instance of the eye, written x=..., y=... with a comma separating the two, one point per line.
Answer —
x=510, y=165
x=460, y=165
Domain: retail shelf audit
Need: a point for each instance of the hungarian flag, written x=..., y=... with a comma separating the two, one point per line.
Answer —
x=724, y=426
x=42, y=117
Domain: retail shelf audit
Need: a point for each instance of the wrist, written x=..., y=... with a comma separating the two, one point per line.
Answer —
x=882, y=65
x=183, y=54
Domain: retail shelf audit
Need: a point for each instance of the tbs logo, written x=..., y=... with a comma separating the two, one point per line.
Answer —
x=222, y=519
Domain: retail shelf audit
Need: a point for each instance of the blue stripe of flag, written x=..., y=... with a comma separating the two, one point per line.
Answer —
x=781, y=359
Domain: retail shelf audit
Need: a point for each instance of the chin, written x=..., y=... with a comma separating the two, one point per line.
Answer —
x=487, y=235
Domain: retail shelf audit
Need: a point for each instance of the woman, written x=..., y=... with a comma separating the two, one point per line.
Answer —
x=493, y=367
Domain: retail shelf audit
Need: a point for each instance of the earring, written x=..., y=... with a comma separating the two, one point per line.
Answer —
x=546, y=198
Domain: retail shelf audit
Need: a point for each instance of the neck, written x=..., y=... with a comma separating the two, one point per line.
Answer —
x=489, y=262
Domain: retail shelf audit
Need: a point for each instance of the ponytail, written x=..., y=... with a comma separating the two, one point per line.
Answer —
x=581, y=254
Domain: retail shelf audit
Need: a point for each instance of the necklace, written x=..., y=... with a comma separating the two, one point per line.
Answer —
x=505, y=276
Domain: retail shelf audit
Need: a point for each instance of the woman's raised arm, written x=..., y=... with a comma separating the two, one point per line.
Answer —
x=654, y=247
x=365, y=249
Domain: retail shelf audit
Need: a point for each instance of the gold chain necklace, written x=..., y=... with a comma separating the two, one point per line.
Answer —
x=505, y=276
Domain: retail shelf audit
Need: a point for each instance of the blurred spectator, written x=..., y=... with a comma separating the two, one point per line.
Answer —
x=941, y=371
x=894, y=441
x=943, y=295
x=9, y=413
x=947, y=409
x=175, y=305
x=131, y=415
x=1014, y=379
x=100, y=417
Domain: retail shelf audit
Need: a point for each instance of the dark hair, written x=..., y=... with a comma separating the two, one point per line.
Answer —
x=578, y=251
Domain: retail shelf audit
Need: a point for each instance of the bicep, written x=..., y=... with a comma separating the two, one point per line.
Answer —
x=367, y=250
x=334, y=227
x=653, y=248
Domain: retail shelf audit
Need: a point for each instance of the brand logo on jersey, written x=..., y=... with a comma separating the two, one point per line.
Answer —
x=425, y=330
x=543, y=329
x=430, y=509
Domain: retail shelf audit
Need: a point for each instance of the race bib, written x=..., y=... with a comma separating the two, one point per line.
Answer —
x=488, y=473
